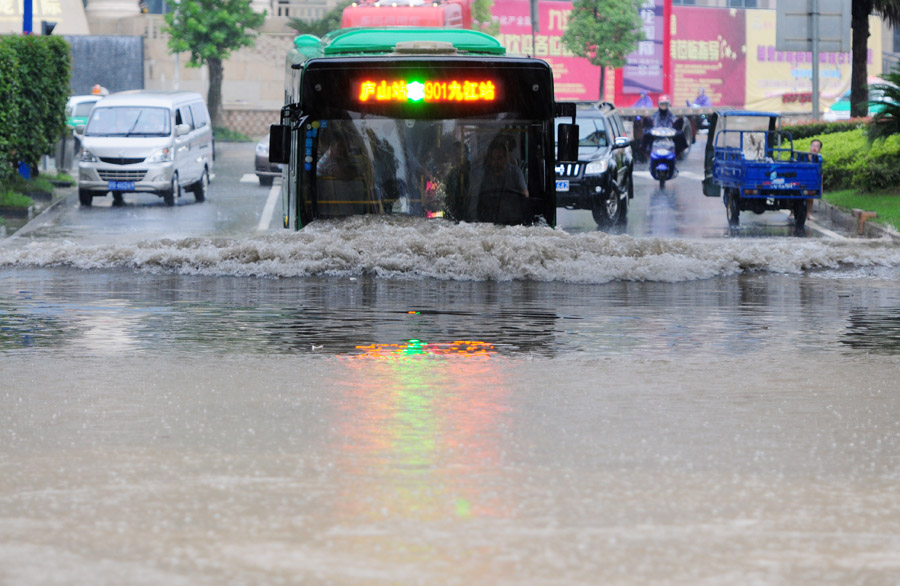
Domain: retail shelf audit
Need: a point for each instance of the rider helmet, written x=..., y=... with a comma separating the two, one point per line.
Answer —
x=664, y=99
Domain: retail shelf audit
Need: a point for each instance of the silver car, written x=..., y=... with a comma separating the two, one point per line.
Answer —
x=146, y=141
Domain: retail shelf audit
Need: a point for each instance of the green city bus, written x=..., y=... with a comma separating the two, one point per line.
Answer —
x=435, y=123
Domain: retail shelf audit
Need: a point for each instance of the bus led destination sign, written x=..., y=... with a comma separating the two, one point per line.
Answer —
x=427, y=91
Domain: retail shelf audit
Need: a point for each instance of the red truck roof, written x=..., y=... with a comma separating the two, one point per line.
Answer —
x=447, y=14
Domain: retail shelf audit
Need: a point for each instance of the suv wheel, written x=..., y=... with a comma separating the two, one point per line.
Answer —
x=606, y=210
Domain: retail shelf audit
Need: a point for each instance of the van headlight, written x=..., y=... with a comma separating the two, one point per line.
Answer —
x=87, y=156
x=596, y=167
x=160, y=156
x=262, y=149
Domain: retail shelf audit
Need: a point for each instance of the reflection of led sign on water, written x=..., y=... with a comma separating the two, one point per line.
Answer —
x=465, y=348
x=428, y=91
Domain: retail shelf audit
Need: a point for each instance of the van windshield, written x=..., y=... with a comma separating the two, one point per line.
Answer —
x=129, y=121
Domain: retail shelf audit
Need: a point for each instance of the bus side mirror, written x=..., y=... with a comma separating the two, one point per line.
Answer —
x=567, y=142
x=279, y=143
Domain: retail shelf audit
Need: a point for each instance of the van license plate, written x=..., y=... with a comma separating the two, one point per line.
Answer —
x=121, y=185
x=562, y=185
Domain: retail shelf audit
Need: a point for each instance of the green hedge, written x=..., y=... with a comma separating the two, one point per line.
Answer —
x=850, y=162
x=9, y=107
x=816, y=128
x=34, y=86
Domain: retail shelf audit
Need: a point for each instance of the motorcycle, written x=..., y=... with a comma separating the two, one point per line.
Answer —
x=701, y=122
x=662, y=154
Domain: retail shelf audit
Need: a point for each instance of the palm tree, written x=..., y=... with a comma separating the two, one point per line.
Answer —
x=886, y=121
x=859, y=19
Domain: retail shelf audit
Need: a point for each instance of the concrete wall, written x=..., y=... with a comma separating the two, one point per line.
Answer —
x=114, y=62
x=253, y=89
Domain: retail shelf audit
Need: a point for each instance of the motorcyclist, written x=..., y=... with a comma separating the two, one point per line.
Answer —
x=702, y=100
x=663, y=118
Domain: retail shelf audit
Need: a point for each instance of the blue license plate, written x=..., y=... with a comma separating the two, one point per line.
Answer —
x=562, y=185
x=121, y=185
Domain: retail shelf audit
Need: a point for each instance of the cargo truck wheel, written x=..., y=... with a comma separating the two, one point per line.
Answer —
x=732, y=207
x=799, y=214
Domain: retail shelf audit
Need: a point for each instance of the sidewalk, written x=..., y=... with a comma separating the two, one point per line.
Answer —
x=849, y=224
x=12, y=225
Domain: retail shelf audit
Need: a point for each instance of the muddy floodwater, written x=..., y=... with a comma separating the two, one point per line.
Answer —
x=452, y=405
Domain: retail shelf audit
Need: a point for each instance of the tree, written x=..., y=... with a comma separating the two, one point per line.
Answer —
x=482, y=20
x=329, y=22
x=859, y=25
x=604, y=31
x=211, y=30
x=886, y=122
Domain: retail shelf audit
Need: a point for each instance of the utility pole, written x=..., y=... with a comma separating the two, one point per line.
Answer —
x=814, y=8
x=27, y=18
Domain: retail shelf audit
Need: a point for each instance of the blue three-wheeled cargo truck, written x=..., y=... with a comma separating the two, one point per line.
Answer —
x=753, y=166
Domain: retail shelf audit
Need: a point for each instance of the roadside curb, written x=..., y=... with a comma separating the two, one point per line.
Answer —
x=63, y=196
x=850, y=223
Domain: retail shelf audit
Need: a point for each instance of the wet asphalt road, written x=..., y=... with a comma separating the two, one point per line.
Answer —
x=239, y=205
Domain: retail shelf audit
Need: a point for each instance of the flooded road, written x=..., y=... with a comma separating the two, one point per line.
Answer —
x=174, y=429
x=400, y=402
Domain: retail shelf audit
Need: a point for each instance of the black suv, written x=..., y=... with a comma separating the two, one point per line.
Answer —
x=601, y=180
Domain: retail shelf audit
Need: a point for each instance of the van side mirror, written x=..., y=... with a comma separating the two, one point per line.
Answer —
x=621, y=142
x=79, y=129
x=279, y=143
x=182, y=129
x=567, y=142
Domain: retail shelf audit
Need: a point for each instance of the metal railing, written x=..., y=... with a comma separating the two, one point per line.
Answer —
x=299, y=9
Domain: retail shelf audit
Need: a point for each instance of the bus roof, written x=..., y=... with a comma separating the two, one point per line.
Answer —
x=384, y=40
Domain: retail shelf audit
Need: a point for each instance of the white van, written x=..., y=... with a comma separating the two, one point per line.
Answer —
x=147, y=141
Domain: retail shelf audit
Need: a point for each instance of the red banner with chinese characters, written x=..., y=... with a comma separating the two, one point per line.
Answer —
x=574, y=78
x=707, y=51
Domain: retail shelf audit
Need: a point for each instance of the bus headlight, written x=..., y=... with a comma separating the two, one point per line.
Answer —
x=87, y=156
x=160, y=156
x=596, y=168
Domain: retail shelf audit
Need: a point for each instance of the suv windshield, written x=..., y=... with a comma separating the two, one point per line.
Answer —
x=591, y=132
x=129, y=121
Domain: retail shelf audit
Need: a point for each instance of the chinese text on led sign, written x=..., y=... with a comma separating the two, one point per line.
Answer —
x=428, y=91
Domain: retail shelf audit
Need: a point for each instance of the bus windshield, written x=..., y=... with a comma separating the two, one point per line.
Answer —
x=464, y=138
x=464, y=170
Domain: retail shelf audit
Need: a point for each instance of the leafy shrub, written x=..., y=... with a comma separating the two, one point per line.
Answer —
x=9, y=107
x=227, y=135
x=14, y=200
x=815, y=128
x=850, y=162
x=34, y=84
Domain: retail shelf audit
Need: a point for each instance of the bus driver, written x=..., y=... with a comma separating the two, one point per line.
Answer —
x=501, y=187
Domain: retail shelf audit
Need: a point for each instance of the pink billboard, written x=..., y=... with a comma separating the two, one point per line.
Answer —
x=643, y=71
x=707, y=51
x=574, y=78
